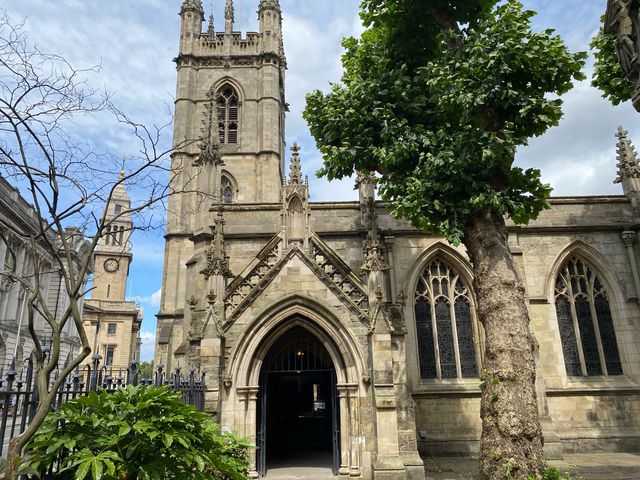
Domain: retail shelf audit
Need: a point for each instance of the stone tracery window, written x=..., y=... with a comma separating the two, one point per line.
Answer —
x=585, y=321
x=226, y=189
x=228, y=109
x=445, y=320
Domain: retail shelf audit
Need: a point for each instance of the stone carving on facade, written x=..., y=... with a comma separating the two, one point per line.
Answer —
x=210, y=145
x=295, y=203
x=623, y=19
x=217, y=259
x=211, y=29
x=244, y=285
x=229, y=14
x=628, y=164
x=339, y=275
x=192, y=5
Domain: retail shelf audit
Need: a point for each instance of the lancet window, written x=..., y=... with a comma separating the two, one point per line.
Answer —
x=445, y=324
x=585, y=321
x=228, y=108
x=226, y=189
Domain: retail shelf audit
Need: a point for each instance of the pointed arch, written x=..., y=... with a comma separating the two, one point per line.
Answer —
x=228, y=188
x=227, y=95
x=584, y=295
x=231, y=81
x=245, y=361
x=592, y=256
x=441, y=304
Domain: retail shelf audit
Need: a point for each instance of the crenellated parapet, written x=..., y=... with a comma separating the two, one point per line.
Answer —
x=211, y=45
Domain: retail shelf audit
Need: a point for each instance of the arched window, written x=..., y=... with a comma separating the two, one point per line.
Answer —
x=584, y=316
x=226, y=189
x=227, y=102
x=444, y=324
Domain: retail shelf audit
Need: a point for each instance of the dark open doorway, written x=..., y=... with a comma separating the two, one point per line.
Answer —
x=298, y=414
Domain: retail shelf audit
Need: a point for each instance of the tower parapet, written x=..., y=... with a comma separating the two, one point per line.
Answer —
x=270, y=17
x=213, y=47
x=192, y=16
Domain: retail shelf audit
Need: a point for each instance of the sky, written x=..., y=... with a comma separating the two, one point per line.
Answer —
x=134, y=43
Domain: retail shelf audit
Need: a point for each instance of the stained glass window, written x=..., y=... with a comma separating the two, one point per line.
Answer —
x=228, y=107
x=445, y=324
x=584, y=316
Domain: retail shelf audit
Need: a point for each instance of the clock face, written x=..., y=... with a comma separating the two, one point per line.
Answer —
x=111, y=265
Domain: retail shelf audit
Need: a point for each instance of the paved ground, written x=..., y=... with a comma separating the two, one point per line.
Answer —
x=309, y=466
x=595, y=466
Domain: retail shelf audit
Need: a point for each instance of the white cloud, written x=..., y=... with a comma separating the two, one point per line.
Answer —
x=148, y=345
x=154, y=301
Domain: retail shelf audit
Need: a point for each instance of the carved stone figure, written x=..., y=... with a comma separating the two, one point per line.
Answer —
x=623, y=19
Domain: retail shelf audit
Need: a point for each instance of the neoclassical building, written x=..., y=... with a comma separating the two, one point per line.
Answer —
x=18, y=221
x=335, y=330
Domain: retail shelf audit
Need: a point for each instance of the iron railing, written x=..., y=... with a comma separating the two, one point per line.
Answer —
x=19, y=394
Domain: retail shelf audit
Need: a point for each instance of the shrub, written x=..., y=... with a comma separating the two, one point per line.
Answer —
x=143, y=433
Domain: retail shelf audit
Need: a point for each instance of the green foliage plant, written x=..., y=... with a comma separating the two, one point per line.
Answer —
x=608, y=75
x=440, y=124
x=143, y=433
x=435, y=98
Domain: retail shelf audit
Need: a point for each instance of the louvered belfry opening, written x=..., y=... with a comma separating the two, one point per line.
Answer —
x=298, y=412
x=228, y=105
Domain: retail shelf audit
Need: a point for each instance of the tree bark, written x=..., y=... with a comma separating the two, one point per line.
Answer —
x=511, y=442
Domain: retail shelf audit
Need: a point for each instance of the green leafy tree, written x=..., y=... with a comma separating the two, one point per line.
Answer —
x=144, y=433
x=145, y=370
x=435, y=98
x=608, y=75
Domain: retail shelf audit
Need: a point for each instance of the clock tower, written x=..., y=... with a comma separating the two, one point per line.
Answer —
x=112, y=322
x=113, y=252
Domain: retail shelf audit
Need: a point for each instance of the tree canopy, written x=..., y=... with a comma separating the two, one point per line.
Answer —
x=608, y=75
x=435, y=98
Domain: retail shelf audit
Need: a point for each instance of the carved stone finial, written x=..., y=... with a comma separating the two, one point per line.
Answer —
x=210, y=145
x=217, y=259
x=229, y=16
x=628, y=165
x=295, y=169
x=211, y=30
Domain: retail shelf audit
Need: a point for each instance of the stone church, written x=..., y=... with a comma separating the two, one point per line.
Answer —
x=335, y=330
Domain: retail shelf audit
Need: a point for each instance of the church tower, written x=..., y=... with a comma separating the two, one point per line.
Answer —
x=230, y=104
x=113, y=323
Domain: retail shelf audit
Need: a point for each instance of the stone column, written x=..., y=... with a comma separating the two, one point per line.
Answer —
x=355, y=436
x=387, y=464
x=629, y=238
x=345, y=431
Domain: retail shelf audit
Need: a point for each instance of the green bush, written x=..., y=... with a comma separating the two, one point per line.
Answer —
x=143, y=433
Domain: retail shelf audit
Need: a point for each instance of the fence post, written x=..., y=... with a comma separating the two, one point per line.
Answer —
x=132, y=378
x=11, y=376
x=159, y=378
x=93, y=382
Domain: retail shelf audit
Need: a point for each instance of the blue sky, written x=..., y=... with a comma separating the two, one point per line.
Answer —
x=135, y=41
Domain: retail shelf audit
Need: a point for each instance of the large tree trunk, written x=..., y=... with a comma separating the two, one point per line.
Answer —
x=511, y=443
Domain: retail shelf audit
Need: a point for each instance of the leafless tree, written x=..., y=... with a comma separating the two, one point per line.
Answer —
x=69, y=182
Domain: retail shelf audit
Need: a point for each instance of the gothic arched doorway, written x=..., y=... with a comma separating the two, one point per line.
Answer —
x=298, y=420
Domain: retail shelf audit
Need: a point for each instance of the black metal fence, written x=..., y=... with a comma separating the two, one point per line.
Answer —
x=19, y=394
